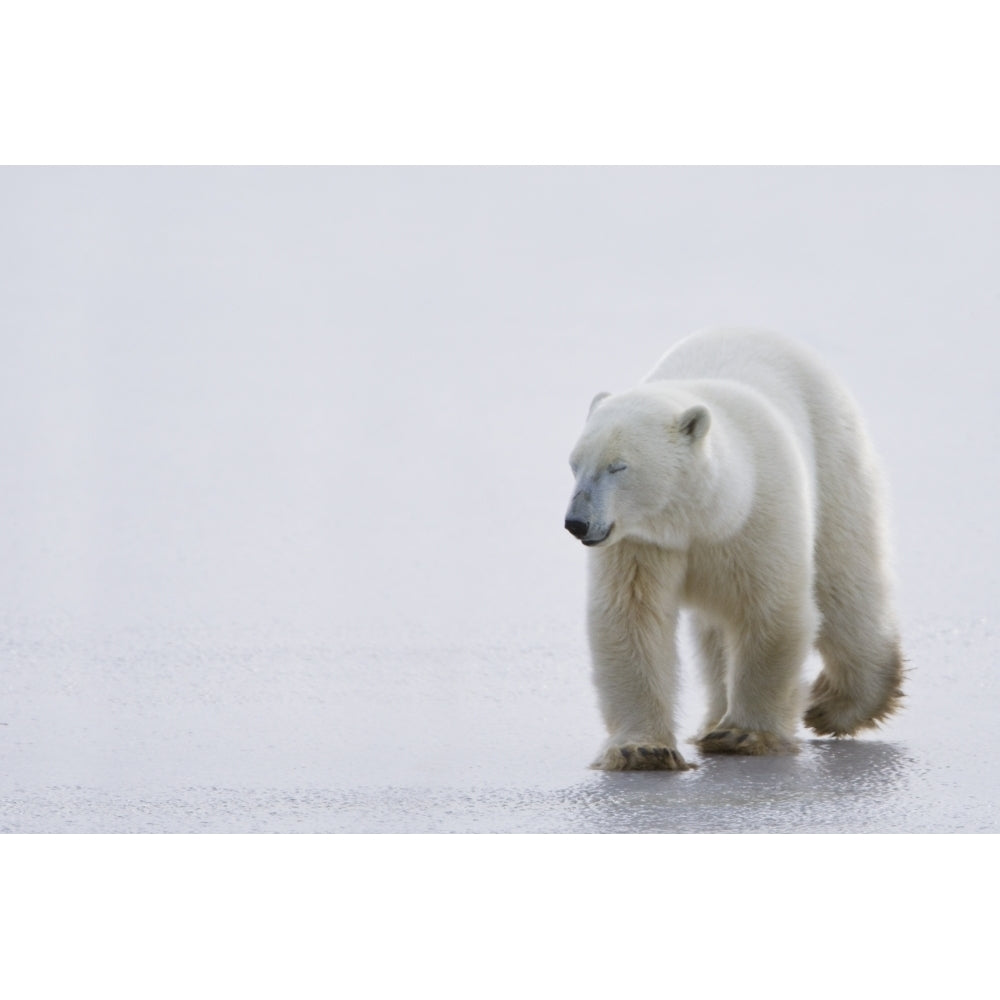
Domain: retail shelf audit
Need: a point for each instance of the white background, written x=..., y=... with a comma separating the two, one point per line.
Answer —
x=287, y=469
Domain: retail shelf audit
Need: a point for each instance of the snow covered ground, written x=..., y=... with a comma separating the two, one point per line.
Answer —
x=283, y=474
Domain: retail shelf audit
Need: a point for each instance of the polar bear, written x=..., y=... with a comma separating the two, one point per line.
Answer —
x=737, y=480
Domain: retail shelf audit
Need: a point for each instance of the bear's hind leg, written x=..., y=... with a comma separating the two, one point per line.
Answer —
x=861, y=681
x=860, y=685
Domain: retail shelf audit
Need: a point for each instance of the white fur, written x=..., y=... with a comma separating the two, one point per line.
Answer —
x=737, y=480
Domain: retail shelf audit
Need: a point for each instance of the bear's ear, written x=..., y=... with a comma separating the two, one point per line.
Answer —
x=596, y=402
x=695, y=422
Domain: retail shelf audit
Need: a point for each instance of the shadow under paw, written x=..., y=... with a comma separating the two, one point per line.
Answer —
x=639, y=757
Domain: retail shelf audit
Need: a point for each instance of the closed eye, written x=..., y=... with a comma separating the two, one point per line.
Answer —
x=617, y=467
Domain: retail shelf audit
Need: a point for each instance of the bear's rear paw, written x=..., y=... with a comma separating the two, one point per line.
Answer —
x=833, y=717
x=751, y=742
x=835, y=713
x=641, y=757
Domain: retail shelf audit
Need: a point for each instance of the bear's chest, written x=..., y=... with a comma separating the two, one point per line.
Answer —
x=716, y=580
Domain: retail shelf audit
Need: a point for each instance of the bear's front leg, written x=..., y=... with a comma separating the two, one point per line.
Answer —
x=763, y=705
x=634, y=593
x=618, y=756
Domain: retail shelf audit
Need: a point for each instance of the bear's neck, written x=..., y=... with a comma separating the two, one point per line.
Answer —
x=722, y=500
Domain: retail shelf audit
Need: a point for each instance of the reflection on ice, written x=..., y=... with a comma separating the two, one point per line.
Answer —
x=828, y=787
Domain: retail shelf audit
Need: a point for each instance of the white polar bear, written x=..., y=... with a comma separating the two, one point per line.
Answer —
x=737, y=479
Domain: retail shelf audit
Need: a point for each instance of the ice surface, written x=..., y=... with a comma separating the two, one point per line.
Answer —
x=284, y=467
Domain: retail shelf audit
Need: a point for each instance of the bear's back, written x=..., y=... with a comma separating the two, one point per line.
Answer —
x=819, y=409
x=790, y=376
x=776, y=366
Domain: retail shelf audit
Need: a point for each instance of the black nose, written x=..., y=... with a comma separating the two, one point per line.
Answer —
x=577, y=528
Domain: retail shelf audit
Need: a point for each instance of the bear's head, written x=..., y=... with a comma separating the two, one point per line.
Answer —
x=640, y=467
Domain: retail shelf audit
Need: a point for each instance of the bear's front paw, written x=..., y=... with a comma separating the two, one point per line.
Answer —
x=641, y=757
x=751, y=742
